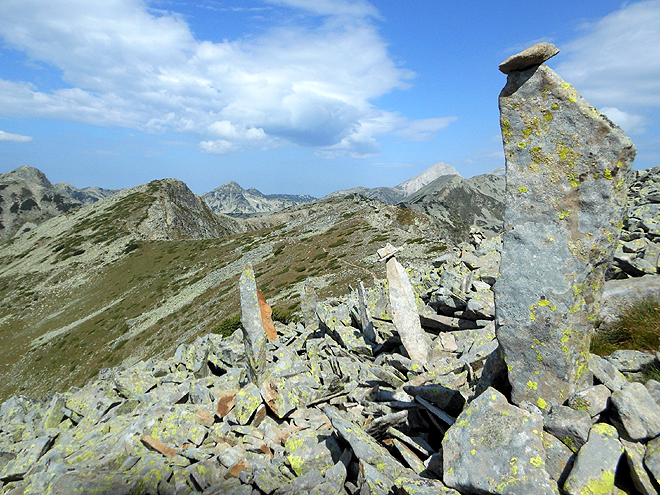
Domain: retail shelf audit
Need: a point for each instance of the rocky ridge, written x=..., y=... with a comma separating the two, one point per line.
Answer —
x=399, y=193
x=231, y=199
x=27, y=198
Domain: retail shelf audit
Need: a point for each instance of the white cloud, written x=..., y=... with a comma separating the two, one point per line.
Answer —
x=630, y=123
x=424, y=129
x=219, y=147
x=616, y=62
x=125, y=65
x=6, y=136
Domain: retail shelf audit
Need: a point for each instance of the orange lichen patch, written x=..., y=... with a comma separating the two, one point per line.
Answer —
x=226, y=402
x=153, y=444
x=204, y=418
x=266, y=319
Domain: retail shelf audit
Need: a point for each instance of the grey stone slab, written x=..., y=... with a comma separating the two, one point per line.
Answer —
x=405, y=314
x=530, y=57
x=568, y=425
x=635, y=457
x=495, y=447
x=254, y=335
x=595, y=466
x=638, y=412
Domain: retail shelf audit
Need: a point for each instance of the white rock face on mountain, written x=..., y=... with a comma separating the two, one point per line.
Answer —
x=231, y=199
x=396, y=194
x=429, y=175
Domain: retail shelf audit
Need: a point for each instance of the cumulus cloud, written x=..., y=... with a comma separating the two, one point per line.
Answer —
x=123, y=64
x=616, y=61
x=6, y=136
x=630, y=123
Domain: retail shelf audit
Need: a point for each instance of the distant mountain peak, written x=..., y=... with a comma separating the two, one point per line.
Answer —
x=426, y=177
x=231, y=199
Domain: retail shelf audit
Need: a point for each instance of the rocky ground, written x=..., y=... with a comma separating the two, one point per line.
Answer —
x=336, y=413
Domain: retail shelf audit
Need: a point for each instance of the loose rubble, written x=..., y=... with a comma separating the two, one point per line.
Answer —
x=343, y=403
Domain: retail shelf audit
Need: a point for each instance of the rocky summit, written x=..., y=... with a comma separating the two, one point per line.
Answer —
x=408, y=384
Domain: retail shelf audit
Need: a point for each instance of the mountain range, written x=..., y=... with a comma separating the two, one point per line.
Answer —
x=138, y=272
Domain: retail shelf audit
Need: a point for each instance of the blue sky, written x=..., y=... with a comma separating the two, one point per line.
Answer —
x=299, y=96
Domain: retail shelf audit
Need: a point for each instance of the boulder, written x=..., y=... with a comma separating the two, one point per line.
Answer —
x=596, y=462
x=495, y=447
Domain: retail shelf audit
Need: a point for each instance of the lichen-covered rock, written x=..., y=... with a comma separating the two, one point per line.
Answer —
x=365, y=448
x=595, y=466
x=248, y=399
x=566, y=189
x=254, y=335
x=638, y=412
x=311, y=450
x=559, y=458
x=593, y=400
x=405, y=314
x=568, y=425
x=635, y=457
x=627, y=360
x=495, y=447
x=652, y=458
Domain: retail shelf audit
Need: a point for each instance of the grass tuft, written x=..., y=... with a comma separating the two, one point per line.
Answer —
x=638, y=328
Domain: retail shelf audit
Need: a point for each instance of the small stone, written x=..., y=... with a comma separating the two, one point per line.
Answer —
x=534, y=55
x=158, y=446
x=638, y=412
x=595, y=466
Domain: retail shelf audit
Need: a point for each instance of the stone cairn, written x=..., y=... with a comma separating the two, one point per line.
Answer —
x=401, y=388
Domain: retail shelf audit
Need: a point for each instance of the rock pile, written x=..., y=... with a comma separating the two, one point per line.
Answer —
x=335, y=411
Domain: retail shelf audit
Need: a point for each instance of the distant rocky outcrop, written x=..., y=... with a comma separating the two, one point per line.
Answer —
x=397, y=194
x=27, y=198
x=458, y=205
x=231, y=199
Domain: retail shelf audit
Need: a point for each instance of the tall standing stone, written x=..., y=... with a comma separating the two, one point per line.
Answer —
x=404, y=313
x=254, y=335
x=565, y=171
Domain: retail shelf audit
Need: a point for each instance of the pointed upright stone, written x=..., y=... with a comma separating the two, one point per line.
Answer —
x=365, y=322
x=404, y=313
x=254, y=335
x=308, y=302
x=566, y=165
